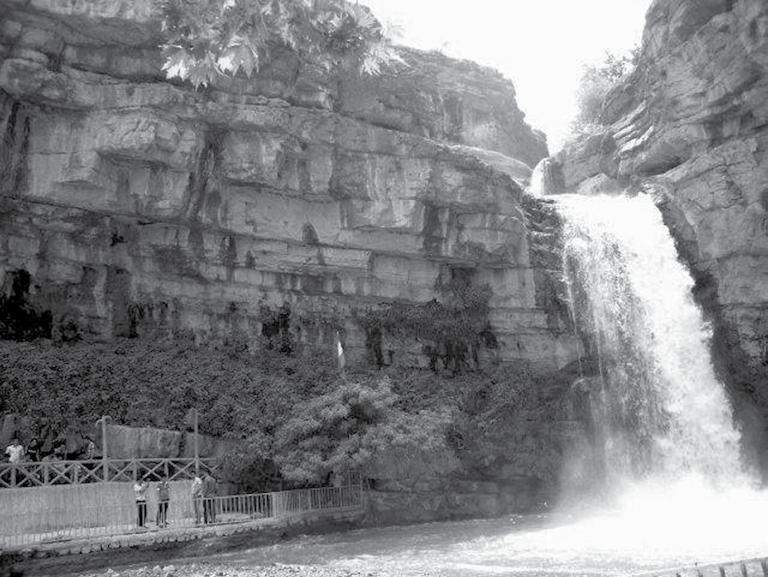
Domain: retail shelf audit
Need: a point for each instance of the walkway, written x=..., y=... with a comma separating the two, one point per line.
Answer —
x=54, y=514
x=77, y=555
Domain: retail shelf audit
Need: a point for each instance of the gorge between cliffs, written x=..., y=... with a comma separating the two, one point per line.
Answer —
x=391, y=278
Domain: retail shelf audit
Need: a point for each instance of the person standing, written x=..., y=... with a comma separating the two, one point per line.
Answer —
x=197, y=498
x=33, y=450
x=209, y=502
x=15, y=452
x=140, y=490
x=89, y=453
x=163, y=497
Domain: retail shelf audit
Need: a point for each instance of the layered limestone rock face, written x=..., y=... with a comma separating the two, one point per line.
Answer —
x=135, y=206
x=690, y=125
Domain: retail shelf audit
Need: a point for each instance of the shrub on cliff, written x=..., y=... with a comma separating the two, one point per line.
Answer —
x=595, y=84
x=207, y=38
x=350, y=429
x=149, y=383
x=298, y=419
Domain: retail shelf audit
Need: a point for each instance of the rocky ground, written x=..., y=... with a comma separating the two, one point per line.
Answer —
x=216, y=570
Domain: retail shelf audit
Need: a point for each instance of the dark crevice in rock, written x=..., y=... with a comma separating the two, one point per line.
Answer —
x=432, y=231
x=309, y=235
x=14, y=147
x=276, y=328
x=202, y=180
x=20, y=318
x=118, y=294
x=228, y=255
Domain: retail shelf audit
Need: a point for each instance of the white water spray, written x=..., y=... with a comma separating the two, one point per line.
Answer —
x=664, y=413
x=537, y=185
x=544, y=179
x=675, y=452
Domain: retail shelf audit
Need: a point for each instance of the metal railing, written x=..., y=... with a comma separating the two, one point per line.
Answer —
x=46, y=473
x=81, y=513
x=305, y=500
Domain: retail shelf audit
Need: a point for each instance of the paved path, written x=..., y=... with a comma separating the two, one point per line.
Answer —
x=59, y=536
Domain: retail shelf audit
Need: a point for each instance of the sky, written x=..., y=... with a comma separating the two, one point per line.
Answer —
x=541, y=45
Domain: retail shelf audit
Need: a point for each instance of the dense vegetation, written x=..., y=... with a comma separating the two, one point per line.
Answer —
x=208, y=38
x=456, y=325
x=299, y=420
x=594, y=86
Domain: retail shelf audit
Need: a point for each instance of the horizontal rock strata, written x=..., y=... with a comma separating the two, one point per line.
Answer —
x=135, y=206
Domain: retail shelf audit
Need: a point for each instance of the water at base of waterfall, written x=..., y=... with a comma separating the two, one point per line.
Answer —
x=634, y=539
x=679, y=492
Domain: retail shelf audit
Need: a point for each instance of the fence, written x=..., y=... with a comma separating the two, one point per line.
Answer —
x=46, y=473
x=83, y=511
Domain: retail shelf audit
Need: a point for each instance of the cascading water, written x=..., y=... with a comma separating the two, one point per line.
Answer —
x=663, y=413
x=680, y=493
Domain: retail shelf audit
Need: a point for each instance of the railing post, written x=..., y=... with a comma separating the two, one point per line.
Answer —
x=197, y=445
x=104, y=458
x=278, y=509
x=13, y=475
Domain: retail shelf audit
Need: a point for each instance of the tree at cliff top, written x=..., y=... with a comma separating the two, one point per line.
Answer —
x=208, y=38
x=595, y=84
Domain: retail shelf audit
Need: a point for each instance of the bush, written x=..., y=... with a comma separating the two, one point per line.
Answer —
x=350, y=429
x=299, y=421
x=145, y=383
x=595, y=84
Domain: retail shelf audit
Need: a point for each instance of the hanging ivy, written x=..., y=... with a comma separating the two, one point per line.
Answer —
x=451, y=328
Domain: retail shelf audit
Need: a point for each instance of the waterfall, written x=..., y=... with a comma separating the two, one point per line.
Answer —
x=547, y=178
x=662, y=412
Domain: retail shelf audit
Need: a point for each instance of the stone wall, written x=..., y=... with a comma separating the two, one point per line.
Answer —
x=131, y=206
x=123, y=442
x=690, y=126
x=151, y=443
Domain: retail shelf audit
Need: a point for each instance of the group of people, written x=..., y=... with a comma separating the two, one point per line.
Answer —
x=16, y=454
x=203, y=495
x=203, y=491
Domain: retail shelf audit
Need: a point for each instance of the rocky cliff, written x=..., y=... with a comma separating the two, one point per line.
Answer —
x=690, y=125
x=135, y=206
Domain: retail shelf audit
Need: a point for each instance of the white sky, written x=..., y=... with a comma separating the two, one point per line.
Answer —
x=541, y=45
